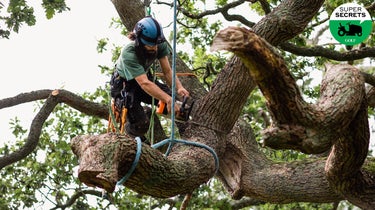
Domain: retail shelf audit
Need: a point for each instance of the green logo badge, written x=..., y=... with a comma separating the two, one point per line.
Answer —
x=350, y=24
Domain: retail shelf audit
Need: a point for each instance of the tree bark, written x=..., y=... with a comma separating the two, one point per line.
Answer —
x=106, y=158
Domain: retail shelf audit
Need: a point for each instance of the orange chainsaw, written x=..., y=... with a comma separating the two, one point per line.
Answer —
x=182, y=114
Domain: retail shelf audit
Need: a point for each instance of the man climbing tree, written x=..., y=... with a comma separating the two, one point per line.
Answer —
x=133, y=82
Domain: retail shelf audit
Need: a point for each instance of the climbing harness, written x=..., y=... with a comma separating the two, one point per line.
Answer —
x=117, y=114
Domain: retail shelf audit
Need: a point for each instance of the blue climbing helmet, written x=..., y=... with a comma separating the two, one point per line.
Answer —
x=149, y=31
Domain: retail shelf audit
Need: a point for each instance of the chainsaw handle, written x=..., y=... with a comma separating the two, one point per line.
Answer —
x=184, y=101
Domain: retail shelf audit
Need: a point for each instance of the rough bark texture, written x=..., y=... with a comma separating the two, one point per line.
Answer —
x=287, y=20
x=105, y=159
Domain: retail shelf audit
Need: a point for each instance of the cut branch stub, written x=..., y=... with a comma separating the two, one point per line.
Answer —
x=267, y=68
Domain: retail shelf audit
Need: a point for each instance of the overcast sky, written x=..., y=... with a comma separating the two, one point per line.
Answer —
x=56, y=53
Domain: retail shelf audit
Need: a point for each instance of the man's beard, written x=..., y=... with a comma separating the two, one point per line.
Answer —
x=149, y=54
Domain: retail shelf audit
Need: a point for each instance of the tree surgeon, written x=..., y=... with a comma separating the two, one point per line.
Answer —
x=132, y=81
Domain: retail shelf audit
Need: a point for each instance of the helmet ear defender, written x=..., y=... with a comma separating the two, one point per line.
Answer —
x=138, y=33
x=160, y=37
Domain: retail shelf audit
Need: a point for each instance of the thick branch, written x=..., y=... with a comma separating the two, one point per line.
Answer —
x=33, y=137
x=106, y=158
x=223, y=104
x=287, y=20
x=245, y=171
x=299, y=125
x=316, y=51
x=268, y=70
x=344, y=167
x=339, y=117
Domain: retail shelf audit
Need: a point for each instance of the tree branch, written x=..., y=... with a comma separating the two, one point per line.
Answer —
x=33, y=137
x=222, y=10
x=104, y=159
x=286, y=20
x=246, y=171
x=24, y=98
x=316, y=51
x=53, y=98
x=76, y=196
x=298, y=124
x=344, y=167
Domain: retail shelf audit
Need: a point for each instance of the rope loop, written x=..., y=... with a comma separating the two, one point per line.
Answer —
x=135, y=162
x=195, y=144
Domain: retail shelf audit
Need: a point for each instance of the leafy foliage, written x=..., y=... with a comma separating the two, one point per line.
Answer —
x=18, y=12
x=53, y=6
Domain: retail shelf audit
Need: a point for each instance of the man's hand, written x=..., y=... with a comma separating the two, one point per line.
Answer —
x=169, y=107
x=183, y=92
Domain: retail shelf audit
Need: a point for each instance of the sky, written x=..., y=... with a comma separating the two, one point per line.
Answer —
x=56, y=53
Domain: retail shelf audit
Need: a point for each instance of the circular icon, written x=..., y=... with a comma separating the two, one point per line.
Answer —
x=350, y=24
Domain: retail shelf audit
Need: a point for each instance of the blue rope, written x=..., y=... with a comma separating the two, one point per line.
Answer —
x=196, y=144
x=172, y=139
x=173, y=74
x=135, y=162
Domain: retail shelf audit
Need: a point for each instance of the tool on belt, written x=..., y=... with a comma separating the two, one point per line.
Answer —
x=118, y=114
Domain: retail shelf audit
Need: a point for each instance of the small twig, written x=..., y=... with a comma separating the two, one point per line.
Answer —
x=186, y=201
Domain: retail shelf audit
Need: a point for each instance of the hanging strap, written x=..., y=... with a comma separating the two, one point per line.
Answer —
x=147, y=7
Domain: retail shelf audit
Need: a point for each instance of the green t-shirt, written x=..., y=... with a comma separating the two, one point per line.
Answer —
x=128, y=64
